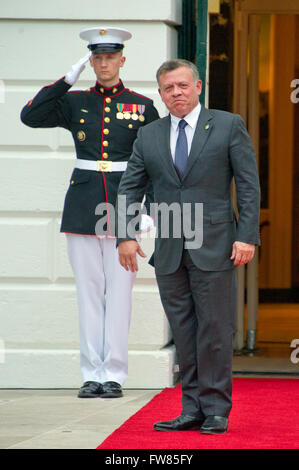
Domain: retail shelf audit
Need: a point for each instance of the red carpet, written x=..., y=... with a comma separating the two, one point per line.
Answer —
x=265, y=415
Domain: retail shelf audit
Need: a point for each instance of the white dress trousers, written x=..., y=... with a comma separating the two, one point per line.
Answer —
x=104, y=292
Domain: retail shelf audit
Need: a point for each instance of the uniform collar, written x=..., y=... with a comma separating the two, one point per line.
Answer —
x=109, y=92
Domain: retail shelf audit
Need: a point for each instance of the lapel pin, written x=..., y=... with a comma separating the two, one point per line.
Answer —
x=207, y=126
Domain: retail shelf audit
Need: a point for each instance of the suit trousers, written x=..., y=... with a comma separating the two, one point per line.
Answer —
x=201, y=310
x=104, y=292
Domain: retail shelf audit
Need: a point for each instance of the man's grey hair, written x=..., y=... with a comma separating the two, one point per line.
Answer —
x=174, y=64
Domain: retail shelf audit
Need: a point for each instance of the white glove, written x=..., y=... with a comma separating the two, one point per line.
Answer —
x=147, y=223
x=73, y=75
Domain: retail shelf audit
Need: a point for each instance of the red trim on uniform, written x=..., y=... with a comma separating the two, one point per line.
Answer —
x=111, y=96
x=46, y=86
x=111, y=88
x=106, y=194
x=137, y=94
x=102, y=137
x=83, y=234
x=103, y=175
x=57, y=82
x=117, y=94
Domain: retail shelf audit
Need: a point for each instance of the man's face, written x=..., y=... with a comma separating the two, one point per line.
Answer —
x=179, y=91
x=106, y=66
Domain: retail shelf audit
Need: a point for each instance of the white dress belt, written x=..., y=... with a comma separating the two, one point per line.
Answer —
x=100, y=165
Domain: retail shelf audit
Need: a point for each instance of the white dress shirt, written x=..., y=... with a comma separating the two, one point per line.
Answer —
x=191, y=120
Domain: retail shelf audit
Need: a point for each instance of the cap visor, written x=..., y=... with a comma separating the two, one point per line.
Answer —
x=99, y=48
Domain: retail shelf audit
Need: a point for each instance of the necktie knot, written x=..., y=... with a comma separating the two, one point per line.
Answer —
x=182, y=124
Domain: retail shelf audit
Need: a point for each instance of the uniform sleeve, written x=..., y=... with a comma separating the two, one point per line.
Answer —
x=49, y=108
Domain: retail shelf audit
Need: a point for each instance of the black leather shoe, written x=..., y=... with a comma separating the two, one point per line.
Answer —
x=111, y=390
x=181, y=423
x=90, y=389
x=214, y=425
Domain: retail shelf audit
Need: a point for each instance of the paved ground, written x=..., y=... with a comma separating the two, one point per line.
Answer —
x=57, y=419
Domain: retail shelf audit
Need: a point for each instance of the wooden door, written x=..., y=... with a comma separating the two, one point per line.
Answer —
x=274, y=141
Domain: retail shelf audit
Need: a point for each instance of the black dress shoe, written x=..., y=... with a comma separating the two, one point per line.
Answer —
x=214, y=425
x=90, y=389
x=181, y=423
x=111, y=390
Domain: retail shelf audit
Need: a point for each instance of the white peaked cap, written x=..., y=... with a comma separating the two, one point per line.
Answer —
x=105, y=39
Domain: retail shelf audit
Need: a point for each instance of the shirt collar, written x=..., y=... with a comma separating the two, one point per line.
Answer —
x=191, y=118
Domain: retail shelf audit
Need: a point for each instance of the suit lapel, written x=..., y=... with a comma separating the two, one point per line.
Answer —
x=201, y=135
x=163, y=139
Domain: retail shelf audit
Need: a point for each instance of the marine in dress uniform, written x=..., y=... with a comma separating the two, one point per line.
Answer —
x=104, y=121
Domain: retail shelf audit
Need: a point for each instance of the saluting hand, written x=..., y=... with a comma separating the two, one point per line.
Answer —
x=242, y=253
x=127, y=251
x=76, y=69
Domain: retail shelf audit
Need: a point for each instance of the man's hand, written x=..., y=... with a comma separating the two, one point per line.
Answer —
x=127, y=254
x=73, y=75
x=242, y=253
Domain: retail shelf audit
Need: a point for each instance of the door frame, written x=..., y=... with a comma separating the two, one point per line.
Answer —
x=245, y=103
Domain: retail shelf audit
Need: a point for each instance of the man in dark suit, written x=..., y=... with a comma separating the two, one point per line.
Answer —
x=192, y=156
x=104, y=121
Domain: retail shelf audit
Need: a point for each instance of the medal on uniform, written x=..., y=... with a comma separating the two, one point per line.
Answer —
x=141, y=109
x=130, y=111
x=134, y=112
x=81, y=135
x=120, y=108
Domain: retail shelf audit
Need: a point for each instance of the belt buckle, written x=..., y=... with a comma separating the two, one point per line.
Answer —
x=104, y=166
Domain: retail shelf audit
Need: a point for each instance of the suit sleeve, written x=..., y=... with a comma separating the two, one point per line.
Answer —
x=49, y=108
x=131, y=190
x=243, y=161
x=152, y=115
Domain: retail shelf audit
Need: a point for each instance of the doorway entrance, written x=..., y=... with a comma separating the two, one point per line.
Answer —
x=266, y=65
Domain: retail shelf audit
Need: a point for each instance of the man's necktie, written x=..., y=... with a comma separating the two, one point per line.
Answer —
x=181, y=149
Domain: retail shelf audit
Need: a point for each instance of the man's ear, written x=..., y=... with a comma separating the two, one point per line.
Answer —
x=199, y=87
x=122, y=61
